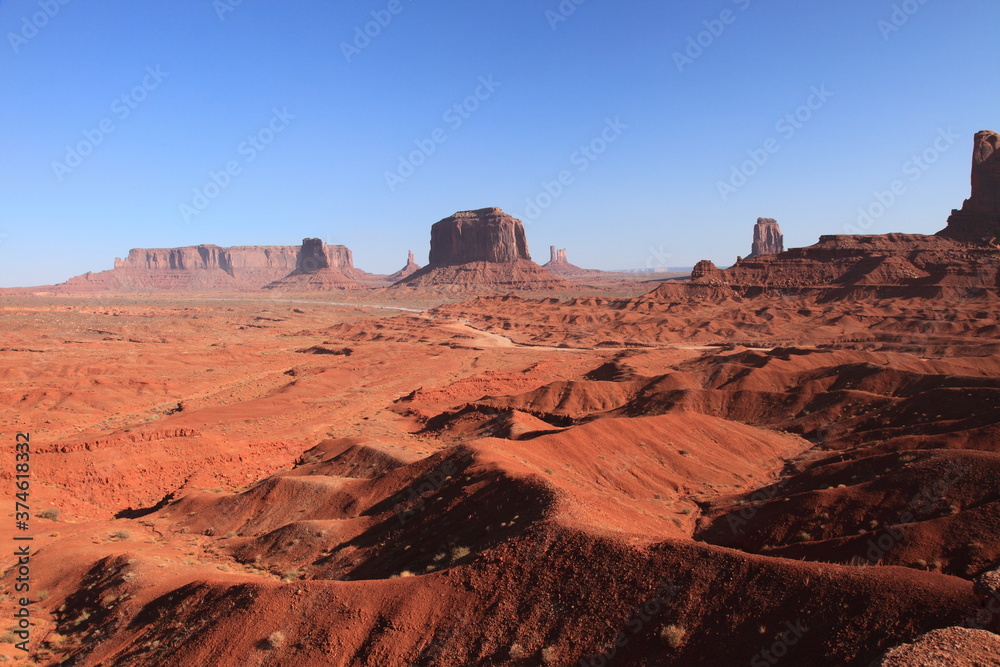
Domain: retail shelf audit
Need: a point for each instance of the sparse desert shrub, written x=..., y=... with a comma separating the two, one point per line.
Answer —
x=52, y=513
x=460, y=552
x=290, y=575
x=517, y=652
x=406, y=573
x=42, y=595
x=8, y=638
x=275, y=640
x=121, y=535
x=672, y=635
x=803, y=536
x=549, y=656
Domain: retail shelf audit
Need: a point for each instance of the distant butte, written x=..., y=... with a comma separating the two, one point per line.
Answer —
x=408, y=270
x=767, y=238
x=320, y=268
x=559, y=265
x=481, y=250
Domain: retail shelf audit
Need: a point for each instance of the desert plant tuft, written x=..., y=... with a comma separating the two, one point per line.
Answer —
x=275, y=640
x=673, y=635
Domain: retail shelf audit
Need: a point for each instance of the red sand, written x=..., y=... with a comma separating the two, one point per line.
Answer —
x=506, y=481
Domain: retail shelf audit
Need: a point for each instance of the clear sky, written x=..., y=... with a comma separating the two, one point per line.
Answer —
x=116, y=114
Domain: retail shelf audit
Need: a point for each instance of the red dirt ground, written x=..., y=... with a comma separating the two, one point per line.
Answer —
x=691, y=477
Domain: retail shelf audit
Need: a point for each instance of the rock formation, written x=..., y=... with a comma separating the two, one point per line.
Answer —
x=486, y=235
x=318, y=268
x=869, y=261
x=956, y=262
x=559, y=265
x=767, y=238
x=482, y=250
x=212, y=268
x=978, y=221
x=408, y=270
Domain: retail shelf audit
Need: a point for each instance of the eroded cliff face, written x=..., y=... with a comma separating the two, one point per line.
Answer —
x=961, y=260
x=485, y=235
x=212, y=268
x=481, y=251
x=978, y=221
x=767, y=238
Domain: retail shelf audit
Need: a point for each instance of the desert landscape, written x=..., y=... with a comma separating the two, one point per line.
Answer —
x=263, y=455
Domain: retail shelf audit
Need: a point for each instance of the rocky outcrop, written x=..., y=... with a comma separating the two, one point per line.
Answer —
x=408, y=270
x=319, y=268
x=481, y=251
x=890, y=260
x=959, y=261
x=559, y=265
x=213, y=268
x=485, y=235
x=978, y=221
x=704, y=271
x=767, y=238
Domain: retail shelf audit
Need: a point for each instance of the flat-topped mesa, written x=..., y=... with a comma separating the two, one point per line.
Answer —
x=484, y=235
x=211, y=268
x=481, y=250
x=978, y=221
x=767, y=238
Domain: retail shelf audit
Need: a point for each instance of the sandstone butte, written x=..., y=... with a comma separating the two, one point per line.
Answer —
x=408, y=270
x=767, y=238
x=559, y=265
x=485, y=249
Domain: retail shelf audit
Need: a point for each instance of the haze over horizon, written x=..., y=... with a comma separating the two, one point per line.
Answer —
x=633, y=136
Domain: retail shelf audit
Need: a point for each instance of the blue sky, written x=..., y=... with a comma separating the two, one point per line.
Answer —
x=115, y=116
